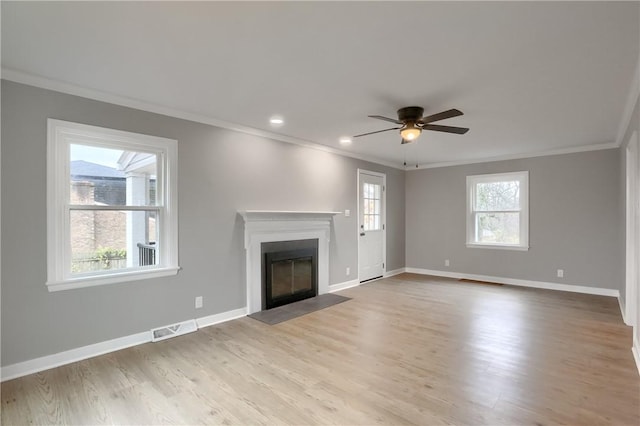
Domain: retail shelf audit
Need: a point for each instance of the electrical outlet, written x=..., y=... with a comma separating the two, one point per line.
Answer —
x=560, y=273
x=347, y=213
x=199, y=302
x=446, y=262
x=348, y=271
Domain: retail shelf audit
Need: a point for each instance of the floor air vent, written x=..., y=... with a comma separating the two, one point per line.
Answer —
x=173, y=330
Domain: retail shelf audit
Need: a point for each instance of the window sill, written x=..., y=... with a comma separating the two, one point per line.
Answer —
x=498, y=247
x=120, y=277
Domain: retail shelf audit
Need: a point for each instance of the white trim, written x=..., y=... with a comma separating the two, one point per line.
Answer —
x=113, y=278
x=497, y=247
x=47, y=362
x=562, y=151
x=73, y=355
x=221, y=317
x=394, y=272
x=632, y=228
x=343, y=286
x=262, y=226
x=523, y=209
x=75, y=90
x=60, y=135
x=72, y=89
x=621, y=305
x=635, y=350
x=272, y=215
x=518, y=282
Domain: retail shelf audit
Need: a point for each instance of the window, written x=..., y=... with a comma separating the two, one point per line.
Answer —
x=498, y=211
x=111, y=206
x=371, y=198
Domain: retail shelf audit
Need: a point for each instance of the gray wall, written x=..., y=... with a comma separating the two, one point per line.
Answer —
x=574, y=221
x=220, y=172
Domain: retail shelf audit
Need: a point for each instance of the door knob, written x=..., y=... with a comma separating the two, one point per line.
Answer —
x=362, y=234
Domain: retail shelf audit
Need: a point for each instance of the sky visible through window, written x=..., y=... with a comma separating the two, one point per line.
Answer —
x=92, y=154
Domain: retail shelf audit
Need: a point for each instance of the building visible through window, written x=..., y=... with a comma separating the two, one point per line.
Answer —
x=113, y=212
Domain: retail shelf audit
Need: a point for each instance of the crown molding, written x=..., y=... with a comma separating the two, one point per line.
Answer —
x=72, y=89
x=572, y=150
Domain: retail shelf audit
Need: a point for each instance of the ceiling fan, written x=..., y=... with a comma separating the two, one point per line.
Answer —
x=412, y=123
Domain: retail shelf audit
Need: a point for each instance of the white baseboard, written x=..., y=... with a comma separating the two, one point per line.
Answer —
x=78, y=354
x=635, y=349
x=343, y=286
x=624, y=317
x=354, y=283
x=522, y=283
x=394, y=272
x=31, y=366
x=221, y=317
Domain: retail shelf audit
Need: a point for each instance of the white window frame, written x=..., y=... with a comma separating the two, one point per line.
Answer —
x=61, y=134
x=472, y=181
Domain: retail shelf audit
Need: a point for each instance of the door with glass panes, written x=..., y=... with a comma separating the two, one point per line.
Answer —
x=370, y=225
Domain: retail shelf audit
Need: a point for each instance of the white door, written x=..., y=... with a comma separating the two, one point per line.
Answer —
x=371, y=227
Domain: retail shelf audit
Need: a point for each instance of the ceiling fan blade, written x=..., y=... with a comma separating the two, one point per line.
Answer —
x=446, y=129
x=379, y=117
x=377, y=131
x=441, y=116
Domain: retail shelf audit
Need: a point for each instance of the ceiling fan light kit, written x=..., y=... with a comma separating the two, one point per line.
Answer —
x=410, y=132
x=412, y=123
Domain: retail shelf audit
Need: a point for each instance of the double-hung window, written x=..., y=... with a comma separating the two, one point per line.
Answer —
x=498, y=211
x=111, y=206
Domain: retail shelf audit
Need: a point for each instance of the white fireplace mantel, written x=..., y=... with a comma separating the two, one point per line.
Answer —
x=262, y=226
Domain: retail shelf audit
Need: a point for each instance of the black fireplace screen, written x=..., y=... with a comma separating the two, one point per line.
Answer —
x=290, y=272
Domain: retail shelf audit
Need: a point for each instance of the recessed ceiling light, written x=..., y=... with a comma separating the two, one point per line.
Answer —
x=345, y=140
x=276, y=120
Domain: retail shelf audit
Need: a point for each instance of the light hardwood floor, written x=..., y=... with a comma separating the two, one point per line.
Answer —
x=406, y=350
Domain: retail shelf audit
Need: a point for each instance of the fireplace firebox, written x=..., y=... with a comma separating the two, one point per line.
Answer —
x=289, y=272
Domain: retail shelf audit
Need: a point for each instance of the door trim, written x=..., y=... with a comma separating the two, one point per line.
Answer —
x=384, y=217
x=632, y=251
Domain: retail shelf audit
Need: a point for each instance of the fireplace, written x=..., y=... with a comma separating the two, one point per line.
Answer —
x=289, y=272
x=265, y=226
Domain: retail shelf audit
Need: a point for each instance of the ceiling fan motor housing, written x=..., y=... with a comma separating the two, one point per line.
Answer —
x=413, y=113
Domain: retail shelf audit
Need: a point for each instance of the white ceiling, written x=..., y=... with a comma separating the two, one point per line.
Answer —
x=529, y=77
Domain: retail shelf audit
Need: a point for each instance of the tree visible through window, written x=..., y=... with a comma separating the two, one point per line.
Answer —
x=498, y=210
x=372, y=206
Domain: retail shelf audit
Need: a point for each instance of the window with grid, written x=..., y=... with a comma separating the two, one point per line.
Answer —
x=498, y=213
x=111, y=206
x=372, y=206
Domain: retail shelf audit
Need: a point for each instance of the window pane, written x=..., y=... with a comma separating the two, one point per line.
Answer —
x=495, y=196
x=105, y=176
x=498, y=228
x=99, y=240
